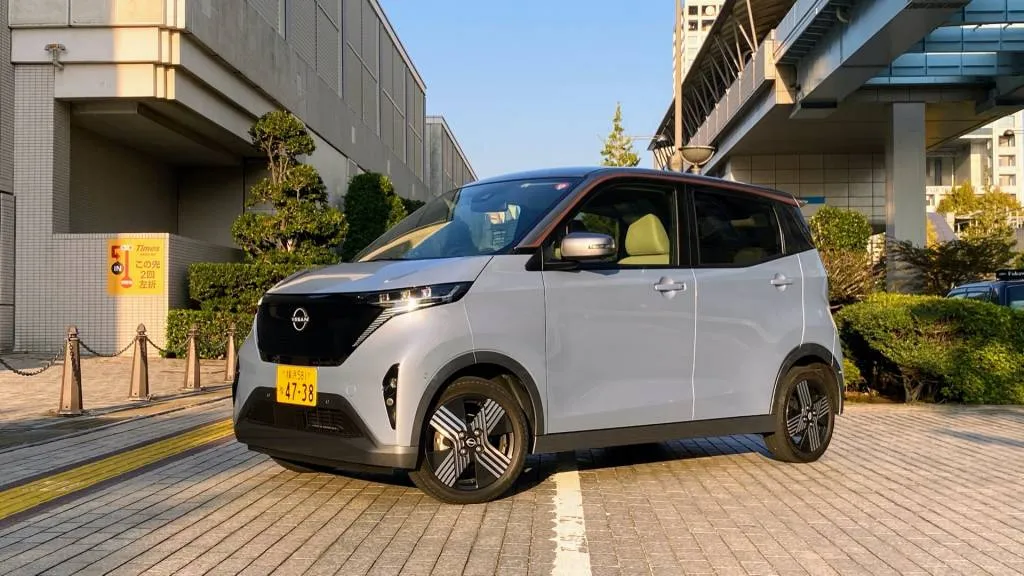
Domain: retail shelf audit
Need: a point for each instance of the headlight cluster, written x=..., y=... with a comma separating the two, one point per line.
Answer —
x=395, y=302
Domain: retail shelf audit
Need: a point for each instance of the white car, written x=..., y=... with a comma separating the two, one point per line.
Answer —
x=548, y=311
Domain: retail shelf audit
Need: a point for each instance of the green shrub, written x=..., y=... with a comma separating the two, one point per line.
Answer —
x=371, y=208
x=840, y=229
x=922, y=347
x=412, y=205
x=851, y=375
x=211, y=337
x=234, y=286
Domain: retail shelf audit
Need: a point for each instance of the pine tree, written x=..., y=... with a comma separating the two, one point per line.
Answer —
x=618, y=148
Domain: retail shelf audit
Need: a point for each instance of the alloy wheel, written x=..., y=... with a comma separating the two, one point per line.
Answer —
x=473, y=443
x=808, y=416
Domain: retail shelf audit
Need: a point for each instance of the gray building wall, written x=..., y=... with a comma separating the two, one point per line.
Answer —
x=447, y=165
x=337, y=66
x=7, y=221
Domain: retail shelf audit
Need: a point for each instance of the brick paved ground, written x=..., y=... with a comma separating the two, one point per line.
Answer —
x=927, y=490
x=30, y=401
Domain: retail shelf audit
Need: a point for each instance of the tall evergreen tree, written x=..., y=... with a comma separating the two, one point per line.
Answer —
x=618, y=147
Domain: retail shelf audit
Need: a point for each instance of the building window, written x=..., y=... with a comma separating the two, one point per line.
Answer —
x=1007, y=161
x=710, y=10
x=691, y=25
x=1007, y=179
x=1007, y=141
x=706, y=25
x=691, y=10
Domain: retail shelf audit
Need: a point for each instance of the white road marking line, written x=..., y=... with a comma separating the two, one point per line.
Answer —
x=571, y=556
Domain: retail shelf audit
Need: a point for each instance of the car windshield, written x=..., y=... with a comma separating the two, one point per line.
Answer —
x=475, y=220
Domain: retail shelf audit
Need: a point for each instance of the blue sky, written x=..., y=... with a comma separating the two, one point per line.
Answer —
x=534, y=83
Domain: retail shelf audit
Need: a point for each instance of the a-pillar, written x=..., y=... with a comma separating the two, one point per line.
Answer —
x=905, y=201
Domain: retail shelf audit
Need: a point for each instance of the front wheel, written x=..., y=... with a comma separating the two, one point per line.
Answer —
x=474, y=446
x=805, y=411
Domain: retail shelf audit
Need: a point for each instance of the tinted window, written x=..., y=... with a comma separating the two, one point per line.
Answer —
x=794, y=226
x=638, y=217
x=735, y=229
x=1015, y=297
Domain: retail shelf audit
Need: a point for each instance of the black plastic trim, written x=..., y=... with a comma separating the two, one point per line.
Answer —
x=820, y=353
x=360, y=453
x=471, y=359
x=565, y=441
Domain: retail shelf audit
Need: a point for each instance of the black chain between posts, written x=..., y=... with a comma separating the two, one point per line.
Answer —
x=59, y=356
x=114, y=355
x=154, y=345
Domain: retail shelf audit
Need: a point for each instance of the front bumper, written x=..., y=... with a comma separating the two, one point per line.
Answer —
x=329, y=434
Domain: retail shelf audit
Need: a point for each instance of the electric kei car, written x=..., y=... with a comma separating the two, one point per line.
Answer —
x=548, y=311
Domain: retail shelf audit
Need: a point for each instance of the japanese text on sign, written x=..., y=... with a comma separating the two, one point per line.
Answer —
x=136, y=266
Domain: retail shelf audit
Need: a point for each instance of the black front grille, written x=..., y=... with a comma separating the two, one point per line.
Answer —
x=335, y=322
x=330, y=416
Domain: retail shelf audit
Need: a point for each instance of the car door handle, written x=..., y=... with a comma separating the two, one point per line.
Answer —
x=669, y=286
x=780, y=280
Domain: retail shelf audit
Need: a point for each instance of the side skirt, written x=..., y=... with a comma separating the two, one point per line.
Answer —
x=565, y=441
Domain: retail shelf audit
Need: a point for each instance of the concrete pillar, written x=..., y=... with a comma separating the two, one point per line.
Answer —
x=6, y=184
x=905, y=200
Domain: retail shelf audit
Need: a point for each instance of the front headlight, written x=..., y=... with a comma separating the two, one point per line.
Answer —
x=395, y=302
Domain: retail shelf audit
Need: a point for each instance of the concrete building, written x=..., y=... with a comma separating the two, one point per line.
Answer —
x=448, y=167
x=988, y=156
x=840, y=102
x=124, y=153
x=698, y=17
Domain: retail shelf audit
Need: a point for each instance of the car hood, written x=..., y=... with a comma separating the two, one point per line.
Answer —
x=382, y=275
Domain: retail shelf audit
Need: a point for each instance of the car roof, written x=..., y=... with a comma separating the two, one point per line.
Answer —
x=586, y=171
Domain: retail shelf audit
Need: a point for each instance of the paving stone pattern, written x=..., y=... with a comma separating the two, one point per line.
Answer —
x=20, y=463
x=33, y=400
x=904, y=490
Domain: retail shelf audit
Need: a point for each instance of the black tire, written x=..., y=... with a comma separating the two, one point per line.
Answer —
x=296, y=467
x=808, y=400
x=455, y=466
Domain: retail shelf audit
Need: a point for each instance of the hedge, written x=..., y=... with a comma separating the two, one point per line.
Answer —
x=211, y=338
x=233, y=286
x=371, y=208
x=932, y=348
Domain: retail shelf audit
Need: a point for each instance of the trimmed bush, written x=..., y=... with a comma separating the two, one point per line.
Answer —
x=840, y=229
x=211, y=339
x=233, y=286
x=930, y=348
x=371, y=208
x=412, y=205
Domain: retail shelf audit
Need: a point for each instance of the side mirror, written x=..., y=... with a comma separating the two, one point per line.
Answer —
x=587, y=246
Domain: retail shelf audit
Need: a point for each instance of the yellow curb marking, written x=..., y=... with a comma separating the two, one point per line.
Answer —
x=26, y=496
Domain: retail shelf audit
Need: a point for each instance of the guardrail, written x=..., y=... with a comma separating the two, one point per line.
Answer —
x=71, y=358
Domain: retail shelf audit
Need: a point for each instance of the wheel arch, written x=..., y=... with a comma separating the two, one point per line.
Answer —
x=485, y=364
x=805, y=355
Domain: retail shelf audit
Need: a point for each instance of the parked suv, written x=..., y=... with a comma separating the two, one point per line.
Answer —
x=1006, y=290
x=548, y=311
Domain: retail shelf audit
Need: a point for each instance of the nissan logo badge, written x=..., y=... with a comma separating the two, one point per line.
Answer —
x=300, y=319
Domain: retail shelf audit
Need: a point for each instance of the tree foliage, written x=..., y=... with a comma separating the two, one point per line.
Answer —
x=943, y=265
x=840, y=229
x=618, y=147
x=988, y=213
x=289, y=218
x=371, y=208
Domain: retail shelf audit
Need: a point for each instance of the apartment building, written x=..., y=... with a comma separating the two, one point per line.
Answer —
x=124, y=132
x=988, y=156
x=698, y=16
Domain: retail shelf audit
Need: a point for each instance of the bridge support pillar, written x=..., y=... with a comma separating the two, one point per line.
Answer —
x=905, y=202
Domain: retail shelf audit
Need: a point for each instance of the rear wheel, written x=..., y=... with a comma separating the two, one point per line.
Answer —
x=475, y=442
x=805, y=410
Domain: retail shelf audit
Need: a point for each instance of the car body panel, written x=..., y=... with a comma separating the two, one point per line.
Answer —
x=382, y=275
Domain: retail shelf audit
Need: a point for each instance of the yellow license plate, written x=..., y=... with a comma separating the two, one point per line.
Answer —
x=296, y=385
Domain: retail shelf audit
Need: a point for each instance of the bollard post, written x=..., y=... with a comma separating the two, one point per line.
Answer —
x=230, y=358
x=192, y=380
x=71, y=383
x=139, y=389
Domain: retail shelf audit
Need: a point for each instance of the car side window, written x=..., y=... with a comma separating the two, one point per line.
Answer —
x=1015, y=297
x=638, y=216
x=735, y=229
x=794, y=227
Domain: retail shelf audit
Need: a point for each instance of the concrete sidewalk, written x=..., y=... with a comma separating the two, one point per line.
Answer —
x=31, y=402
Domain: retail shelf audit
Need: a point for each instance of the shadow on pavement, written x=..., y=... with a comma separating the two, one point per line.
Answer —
x=984, y=438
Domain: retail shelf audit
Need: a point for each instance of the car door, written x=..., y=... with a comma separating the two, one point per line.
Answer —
x=749, y=305
x=619, y=332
